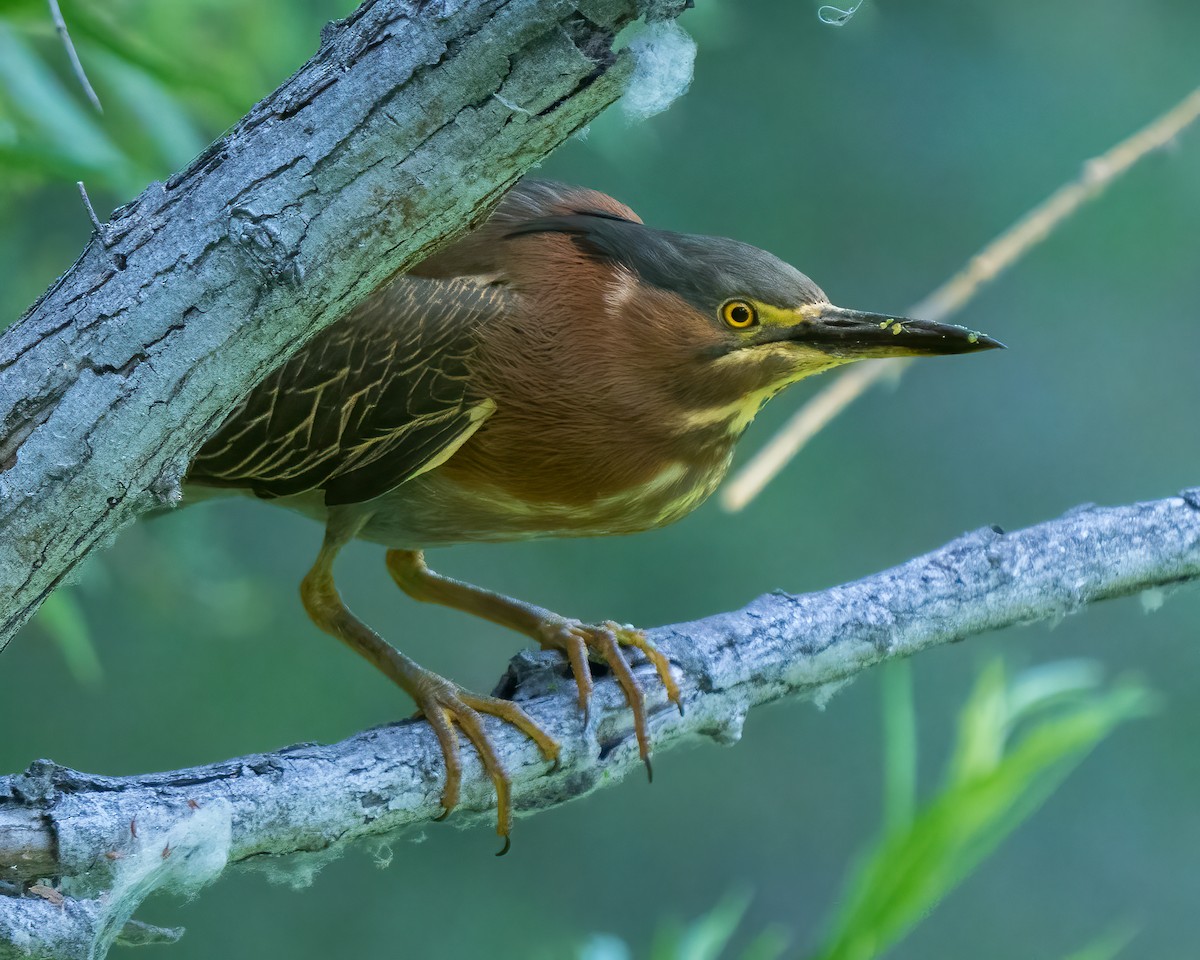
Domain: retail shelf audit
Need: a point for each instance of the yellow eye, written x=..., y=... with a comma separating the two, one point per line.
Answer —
x=739, y=314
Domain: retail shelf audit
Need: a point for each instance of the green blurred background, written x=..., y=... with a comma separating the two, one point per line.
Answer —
x=876, y=156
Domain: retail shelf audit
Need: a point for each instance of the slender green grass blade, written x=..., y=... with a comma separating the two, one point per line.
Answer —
x=1108, y=945
x=992, y=784
x=62, y=618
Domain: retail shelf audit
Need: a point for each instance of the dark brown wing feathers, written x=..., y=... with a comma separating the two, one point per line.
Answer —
x=366, y=404
x=384, y=393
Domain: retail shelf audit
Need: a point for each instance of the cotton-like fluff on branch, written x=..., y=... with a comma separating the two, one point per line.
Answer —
x=183, y=858
x=664, y=55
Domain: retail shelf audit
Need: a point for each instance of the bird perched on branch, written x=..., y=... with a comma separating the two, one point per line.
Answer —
x=561, y=371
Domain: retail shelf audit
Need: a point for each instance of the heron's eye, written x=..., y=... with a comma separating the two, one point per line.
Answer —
x=739, y=314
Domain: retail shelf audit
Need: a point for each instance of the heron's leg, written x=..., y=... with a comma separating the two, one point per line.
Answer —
x=444, y=704
x=552, y=631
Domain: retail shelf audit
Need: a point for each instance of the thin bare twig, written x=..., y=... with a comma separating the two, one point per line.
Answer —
x=1034, y=227
x=91, y=211
x=63, y=34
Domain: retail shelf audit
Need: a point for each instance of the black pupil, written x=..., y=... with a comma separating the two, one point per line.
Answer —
x=740, y=314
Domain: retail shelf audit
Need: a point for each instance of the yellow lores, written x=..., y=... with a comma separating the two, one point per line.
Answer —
x=562, y=370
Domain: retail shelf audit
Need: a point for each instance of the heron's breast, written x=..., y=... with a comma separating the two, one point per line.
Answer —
x=438, y=509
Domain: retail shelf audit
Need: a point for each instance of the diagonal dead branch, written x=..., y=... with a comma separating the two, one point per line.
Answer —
x=76, y=64
x=311, y=798
x=1097, y=175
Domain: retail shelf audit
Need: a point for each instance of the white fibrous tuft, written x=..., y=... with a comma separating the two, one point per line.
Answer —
x=1152, y=599
x=296, y=870
x=664, y=55
x=167, y=487
x=825, y=692
x=183, y=857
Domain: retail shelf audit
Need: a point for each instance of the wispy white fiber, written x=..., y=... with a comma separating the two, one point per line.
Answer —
x=836, y=16
x=664, y=56
x=183, y=858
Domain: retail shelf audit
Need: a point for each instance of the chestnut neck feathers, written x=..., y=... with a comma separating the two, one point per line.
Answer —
x=601, y=379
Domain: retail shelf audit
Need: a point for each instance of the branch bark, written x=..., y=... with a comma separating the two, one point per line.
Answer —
x=94, y=831
x=412, y=118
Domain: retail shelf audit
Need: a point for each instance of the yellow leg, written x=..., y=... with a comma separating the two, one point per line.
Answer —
x=444, y=704
x=576, y=639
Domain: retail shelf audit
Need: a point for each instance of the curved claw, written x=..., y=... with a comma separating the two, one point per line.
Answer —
x=649, y=769
x=507, y=845
x=576, y=649
x=608, y=645
x=605, y=640
x=449, y=709
x=439, y=718
x=635, y=638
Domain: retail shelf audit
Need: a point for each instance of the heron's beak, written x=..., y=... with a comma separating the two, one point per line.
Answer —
x=855, y=335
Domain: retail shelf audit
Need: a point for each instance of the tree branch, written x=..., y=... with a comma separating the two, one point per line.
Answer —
x=411, y=119
x=76, y=64
x=99, y=832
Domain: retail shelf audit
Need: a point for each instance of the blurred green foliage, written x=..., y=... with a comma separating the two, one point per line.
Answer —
x=876, y=156
x=1016, y=741
x=62, y=618
x=705, y=938
x=1108, y=945
x=993, y=781
x=168, y=77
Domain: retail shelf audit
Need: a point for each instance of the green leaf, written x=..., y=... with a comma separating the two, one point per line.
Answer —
x=707, y=937
x=768, y=945
x=61, y=617
x=982, y=727
x=160, y=115
x=993, y=782
x=94, y=26
x=1108, y=945
x=604, y=946
x=47, y=119
x=23, y=8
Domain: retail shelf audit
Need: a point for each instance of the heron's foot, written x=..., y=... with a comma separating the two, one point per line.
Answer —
x=603, y=642
x=449, y=708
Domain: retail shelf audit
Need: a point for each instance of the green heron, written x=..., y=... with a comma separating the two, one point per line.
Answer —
x=562, y=370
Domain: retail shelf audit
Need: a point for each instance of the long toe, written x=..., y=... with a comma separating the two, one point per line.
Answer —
x=450, y=709
x=604, y=643
x=632, y=637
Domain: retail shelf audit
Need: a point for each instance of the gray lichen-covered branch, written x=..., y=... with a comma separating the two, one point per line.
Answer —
x=410, y=120
x=110, y=841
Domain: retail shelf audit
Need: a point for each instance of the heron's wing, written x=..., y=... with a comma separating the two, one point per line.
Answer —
x=375, y=399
